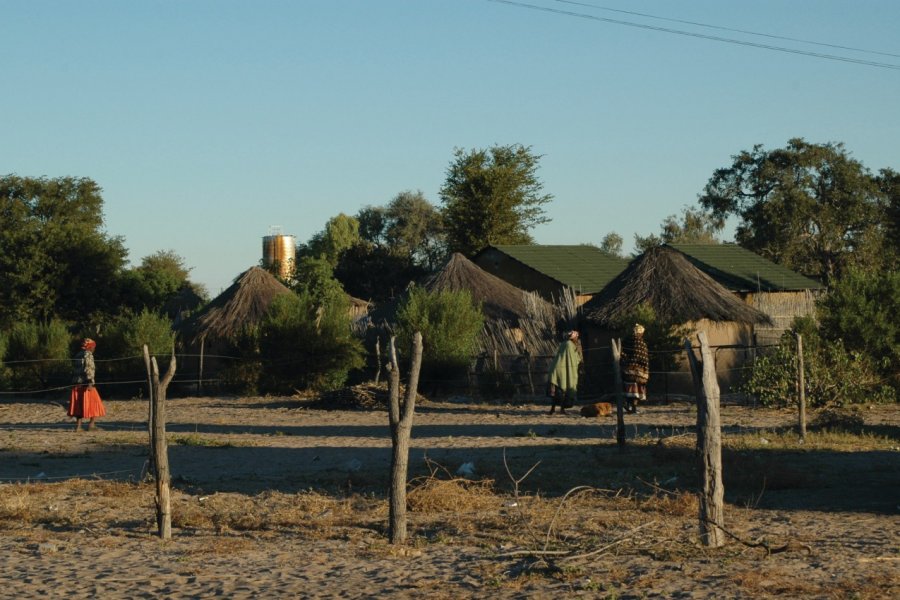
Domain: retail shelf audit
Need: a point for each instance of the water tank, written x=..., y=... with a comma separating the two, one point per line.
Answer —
x=280, y=250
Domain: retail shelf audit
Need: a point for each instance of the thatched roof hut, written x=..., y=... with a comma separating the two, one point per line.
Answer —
x=498, y=299
x=244, y=303
x=677, y=291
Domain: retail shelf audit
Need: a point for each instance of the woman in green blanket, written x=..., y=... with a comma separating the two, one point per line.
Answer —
x=563, y=385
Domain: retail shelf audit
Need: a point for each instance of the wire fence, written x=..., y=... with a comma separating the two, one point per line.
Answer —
x=507, y=376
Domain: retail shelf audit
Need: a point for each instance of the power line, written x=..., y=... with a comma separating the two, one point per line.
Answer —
x=847, y=59
x=721, y=28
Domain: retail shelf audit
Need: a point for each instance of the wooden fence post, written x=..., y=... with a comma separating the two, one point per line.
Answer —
x=801, y=388
x=620, y=410
x=709, y=443
x=401, y=420
x=160, y=449
x=377, y=359
x=151, y=469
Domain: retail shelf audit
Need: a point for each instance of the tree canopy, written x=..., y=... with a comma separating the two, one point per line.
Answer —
x=810, y=207
x=695, y=227
x=492, y=196
x=55, y=258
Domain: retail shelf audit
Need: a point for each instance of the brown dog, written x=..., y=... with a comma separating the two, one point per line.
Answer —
x=598, y=409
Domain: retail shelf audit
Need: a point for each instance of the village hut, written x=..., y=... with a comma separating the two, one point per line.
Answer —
x=218, y=326
x=679, y=293
x=516, y=321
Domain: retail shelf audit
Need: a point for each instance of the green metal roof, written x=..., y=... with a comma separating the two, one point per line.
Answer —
x=585, y=269
x=740, y=270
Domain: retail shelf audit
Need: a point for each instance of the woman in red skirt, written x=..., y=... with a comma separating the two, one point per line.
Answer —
x=85, y=401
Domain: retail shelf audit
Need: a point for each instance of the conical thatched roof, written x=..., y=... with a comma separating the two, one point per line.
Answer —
x=498, y=299
x=243, y=303
x=676, y=290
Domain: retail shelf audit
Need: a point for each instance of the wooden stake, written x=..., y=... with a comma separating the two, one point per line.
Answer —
x=801, y=388
x=160, y=449
x=401, y=420
x=709, y=441
x=620, y=391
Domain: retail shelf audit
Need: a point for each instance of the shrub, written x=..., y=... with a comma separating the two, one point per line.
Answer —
x=449, y=323
x=304, y=344
x=37, y=355
x=120, y=349
x=833, y=375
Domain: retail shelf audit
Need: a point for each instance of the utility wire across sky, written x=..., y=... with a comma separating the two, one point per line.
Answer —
x=834, y=57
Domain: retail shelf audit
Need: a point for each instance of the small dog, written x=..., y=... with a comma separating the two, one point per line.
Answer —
x=598, y=409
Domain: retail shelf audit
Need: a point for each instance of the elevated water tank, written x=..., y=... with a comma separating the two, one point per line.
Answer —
x=279, y=250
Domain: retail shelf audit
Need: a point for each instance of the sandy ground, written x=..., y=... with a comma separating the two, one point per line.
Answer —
x=840, y=523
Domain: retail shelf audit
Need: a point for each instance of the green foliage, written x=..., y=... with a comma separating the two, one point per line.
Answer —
x=315, y=277
x=860, y=310
x=155, y=283
x=810, y=207
x=340, y=234
x=695, y=227
x=492, y=197
x=612, y=244
x=449, y=322
x=129, y=332
x=37, y=355
x=834, y=375
x=307, y=345
x=55, y=259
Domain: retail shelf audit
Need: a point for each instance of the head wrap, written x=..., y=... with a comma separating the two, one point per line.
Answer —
x=638, y=329
x=88, y=344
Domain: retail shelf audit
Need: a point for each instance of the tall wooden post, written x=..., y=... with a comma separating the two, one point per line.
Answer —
x=200, y=371
x=620, y=409
x=401, y=420
x=377, y=360
x=150, y=465
x=160, y=449
x=801, y=389
x=709, y=442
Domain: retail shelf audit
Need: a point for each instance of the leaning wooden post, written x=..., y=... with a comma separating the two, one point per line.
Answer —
x=801, y=387
x=620, y=409
x=377, y=360
x=401, y=420
x=160, y=449
x=150, y=468
x=709, y=441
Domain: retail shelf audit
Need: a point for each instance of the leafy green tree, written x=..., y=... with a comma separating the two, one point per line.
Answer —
x=340, y=234
x=304, y=344
x=450, y=323
x=492, y=197
x=315, y=276
x=55, y=259
x=123, y=342
x=860, y=310
x=810, y=207
x=612, y=244
x=37, y=354
x=695, y=227
x=155, y=282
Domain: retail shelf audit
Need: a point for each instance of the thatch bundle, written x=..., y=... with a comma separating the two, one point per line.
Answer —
x=677, y=291
x=498, y=299
x=514, y=319
x=244, y=303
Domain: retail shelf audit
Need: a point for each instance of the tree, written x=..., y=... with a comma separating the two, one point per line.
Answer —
x=492, y=197
x=55, y=259
x=612, y=244
x=810, y=207
x=340, y=234
x=413, y=228
x=155, y=282
x=695, y=227
x=860, y=310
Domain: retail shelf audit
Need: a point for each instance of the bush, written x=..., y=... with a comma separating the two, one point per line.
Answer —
x=450, y=323
x=833, y=375
x=861, y=311
x=307, y=345
x=37, y=355
x=122, y=347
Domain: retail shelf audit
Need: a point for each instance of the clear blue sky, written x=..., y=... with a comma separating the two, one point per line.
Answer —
x=208, y=121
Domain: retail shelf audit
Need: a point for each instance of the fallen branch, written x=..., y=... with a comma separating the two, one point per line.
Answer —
x=791, y=545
